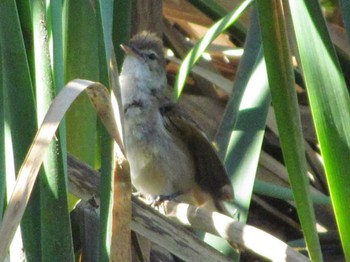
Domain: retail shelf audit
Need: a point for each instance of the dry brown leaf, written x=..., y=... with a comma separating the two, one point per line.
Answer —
x=30, y=167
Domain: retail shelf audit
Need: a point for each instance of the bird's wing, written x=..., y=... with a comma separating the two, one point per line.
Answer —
x=211, y=175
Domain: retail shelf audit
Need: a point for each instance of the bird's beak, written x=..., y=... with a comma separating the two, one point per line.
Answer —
x=131, y=50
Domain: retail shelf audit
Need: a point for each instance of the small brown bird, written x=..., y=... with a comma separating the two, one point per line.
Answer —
x=168, y=153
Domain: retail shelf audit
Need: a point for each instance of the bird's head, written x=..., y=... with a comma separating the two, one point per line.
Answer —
x=144, y=64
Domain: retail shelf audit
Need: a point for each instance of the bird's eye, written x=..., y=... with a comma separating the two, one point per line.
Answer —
x=152, y=56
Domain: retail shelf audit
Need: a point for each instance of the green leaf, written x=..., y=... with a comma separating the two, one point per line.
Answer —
x=201, y=45
x=242, y=129
x=215, y=11
x=81, y=61
x=243, y=126
x=280, y=192
x=53, y=184
x=121, y=27
x=104, y=24
x=330, y=105
x=284, y=100
x=18, y=88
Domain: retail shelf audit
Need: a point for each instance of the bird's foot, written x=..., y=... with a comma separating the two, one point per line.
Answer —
x=161, y=198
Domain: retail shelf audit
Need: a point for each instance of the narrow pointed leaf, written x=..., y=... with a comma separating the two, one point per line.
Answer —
x=18, y=90
x=215, y=11
x=104, y=25
x=284, y=100
x=81, y=56
x=201, y=45
x=53, y=187
x=330, y=105
x=242, y=129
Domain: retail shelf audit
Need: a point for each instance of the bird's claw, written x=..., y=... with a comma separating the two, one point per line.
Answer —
x=161, y=198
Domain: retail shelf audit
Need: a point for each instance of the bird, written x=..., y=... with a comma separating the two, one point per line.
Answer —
x=169, y=155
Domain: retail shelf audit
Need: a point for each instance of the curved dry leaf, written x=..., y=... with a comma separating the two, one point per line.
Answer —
x=29, y=169
x=101, y=100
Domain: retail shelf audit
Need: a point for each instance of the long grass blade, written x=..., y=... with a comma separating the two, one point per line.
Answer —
x=201, y=45
x=215, y=11
x=55, y=15
x=53, y=187
x=284, y=100
x=330, y=105
x=104, y=17
x=121, y=27
x=280, y=192
x=81, y=34
x=242, y=128
x=18, y=90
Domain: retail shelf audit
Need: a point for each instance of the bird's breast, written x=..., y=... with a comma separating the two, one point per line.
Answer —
x=160, y=162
